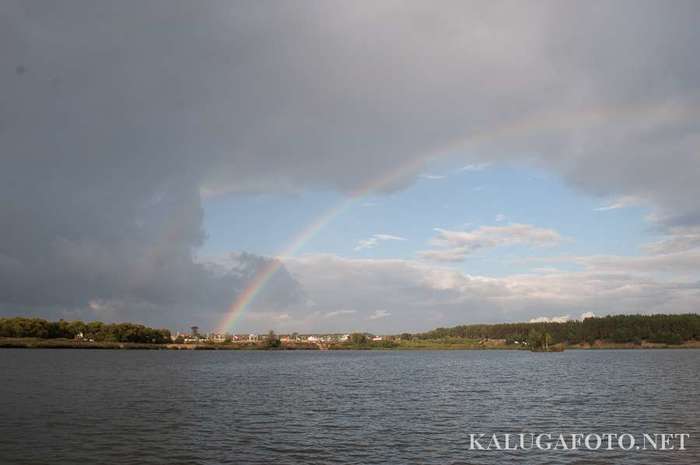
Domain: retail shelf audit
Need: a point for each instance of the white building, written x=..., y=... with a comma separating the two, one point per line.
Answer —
x=216, y=337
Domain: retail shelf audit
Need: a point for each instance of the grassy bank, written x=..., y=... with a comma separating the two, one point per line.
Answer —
x=629, y=345
x=38, y=343
x=425, y=344
x=471, y=344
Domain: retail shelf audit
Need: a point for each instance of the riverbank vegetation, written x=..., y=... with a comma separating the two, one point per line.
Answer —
x=634, y=329
x=95, y=331
x=618, y=332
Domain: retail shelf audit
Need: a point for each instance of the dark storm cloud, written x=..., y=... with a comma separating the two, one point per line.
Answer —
x=115, y=116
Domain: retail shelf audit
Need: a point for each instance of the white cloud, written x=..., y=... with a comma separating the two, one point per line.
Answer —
x=550, y=319
x=679, y=239
x=103, y=310
x=372, y=242
x=421, y=295
x=676, y=254
x=501, y=217
x=545, y=269
x=687, y=261
x=448, y=255
x=378, y=314
x=560, y=318
x=366, y=243
x=389, y=237
x=432, y=176
x=621, y=202
x=339, y=313
x=475, y=167
x=454, y=246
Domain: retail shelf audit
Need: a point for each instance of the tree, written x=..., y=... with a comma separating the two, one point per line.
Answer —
x=358, y=338
x=546, y=341
x=534, y=338
x=272, y=341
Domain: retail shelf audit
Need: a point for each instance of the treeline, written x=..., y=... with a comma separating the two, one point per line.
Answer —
x=95, y=331
x=668, y=329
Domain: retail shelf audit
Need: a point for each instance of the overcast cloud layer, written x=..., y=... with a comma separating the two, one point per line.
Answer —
x=116, y=118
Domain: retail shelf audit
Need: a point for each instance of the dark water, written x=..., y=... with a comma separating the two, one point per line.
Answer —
x=143, y=407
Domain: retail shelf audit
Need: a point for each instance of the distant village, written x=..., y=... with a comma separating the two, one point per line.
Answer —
x=195, y=337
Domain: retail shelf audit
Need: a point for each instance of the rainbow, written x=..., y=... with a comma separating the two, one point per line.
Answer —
x=547, y=121
x=263, y=276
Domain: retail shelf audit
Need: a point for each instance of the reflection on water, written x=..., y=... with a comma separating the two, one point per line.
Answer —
x=355, y=407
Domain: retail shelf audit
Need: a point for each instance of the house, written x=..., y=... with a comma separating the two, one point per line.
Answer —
x=217, y=337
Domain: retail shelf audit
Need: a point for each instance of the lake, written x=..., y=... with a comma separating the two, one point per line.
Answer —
x=337, y=407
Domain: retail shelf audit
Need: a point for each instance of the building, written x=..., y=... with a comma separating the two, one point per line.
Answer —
x=217, y=337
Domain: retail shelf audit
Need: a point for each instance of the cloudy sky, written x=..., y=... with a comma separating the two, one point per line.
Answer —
x=402, y=165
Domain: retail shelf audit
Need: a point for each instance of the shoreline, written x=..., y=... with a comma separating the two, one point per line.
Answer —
x=36, y=343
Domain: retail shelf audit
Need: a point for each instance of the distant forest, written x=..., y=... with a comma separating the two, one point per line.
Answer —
x=95, y=331
x=668, y=329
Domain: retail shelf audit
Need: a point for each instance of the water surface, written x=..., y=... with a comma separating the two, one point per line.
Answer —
x=354, y=407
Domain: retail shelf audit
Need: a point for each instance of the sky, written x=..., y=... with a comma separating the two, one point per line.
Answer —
x=348, y=166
